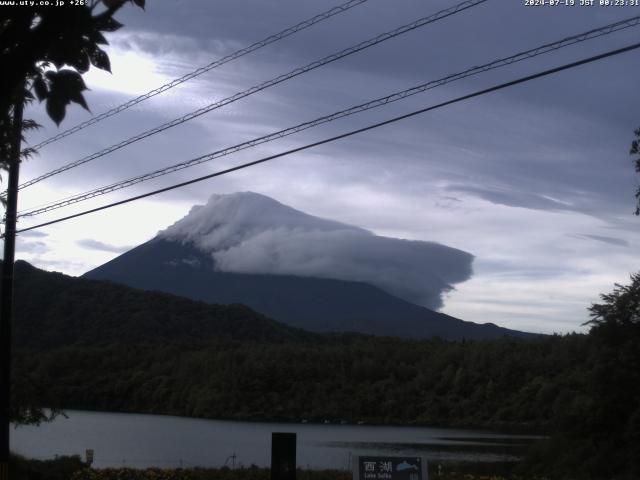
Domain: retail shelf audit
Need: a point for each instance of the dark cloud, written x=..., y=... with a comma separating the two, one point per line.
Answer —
x=512, y=129
x=512, y=198
x=101, y=246
x=601, y=238
x=33, y=234
x=33, y=247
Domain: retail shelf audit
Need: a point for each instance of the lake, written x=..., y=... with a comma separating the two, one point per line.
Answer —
x=134, y=440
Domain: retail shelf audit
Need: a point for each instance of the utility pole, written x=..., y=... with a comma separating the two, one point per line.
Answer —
x=6, y=285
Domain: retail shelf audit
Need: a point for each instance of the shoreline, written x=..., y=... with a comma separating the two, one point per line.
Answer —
x=512, y=431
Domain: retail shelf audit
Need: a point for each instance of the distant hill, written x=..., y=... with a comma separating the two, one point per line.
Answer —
x=54, y=310
x=180, y=265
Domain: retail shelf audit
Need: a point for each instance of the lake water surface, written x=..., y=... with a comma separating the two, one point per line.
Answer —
x=154, y=440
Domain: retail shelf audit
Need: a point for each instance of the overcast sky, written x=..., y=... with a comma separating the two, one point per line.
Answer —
x=535, y=182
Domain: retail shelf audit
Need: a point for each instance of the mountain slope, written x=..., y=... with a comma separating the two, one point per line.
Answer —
x=315, y=304
x=54, y=310
x=246, y=232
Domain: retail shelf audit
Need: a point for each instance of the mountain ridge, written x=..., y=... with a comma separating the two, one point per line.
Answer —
x=308, y=272
x=317, y=305
x=54, y=310
x=246, y=232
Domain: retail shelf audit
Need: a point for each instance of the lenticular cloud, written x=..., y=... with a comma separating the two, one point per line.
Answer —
x=251, y=233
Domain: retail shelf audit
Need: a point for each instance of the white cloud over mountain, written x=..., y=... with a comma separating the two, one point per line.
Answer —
x=251, y=233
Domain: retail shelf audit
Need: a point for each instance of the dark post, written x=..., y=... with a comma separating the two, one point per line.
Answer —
x=6, y=286
x=283, y=456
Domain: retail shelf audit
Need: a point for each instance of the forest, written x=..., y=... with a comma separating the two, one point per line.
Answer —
x=85, y=347
x=498, y=384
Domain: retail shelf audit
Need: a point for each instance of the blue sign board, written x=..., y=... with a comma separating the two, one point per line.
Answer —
x=389, y=468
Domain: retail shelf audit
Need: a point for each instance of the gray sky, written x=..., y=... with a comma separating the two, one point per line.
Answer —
x=535, y=181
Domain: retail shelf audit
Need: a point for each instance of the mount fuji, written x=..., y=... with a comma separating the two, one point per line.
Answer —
x=308, y=272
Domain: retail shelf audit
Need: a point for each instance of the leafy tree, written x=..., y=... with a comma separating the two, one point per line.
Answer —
x=45, y=50
x=603, y=435
x=635, y=150
x=615, y=420
x=621, y=307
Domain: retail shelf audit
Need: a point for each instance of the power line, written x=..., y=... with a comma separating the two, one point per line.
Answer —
x=344, y=135
x=233, y=56
x=591, y=34
x=274, y=81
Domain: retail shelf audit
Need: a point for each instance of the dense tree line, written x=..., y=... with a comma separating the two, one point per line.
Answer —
x=96, y=345
x=582, y=390
x=502, y=383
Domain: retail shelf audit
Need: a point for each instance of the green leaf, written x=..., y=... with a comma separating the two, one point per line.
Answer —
x=56, y=109
x=29, y=124
x=81, y=62
x=96, y=37
x=65, y=86
x=78, y=98
x=108, y=24
x=40, y=88
x=56, y=56
x=69, y=80
x=67, y=50
x=100, y=59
